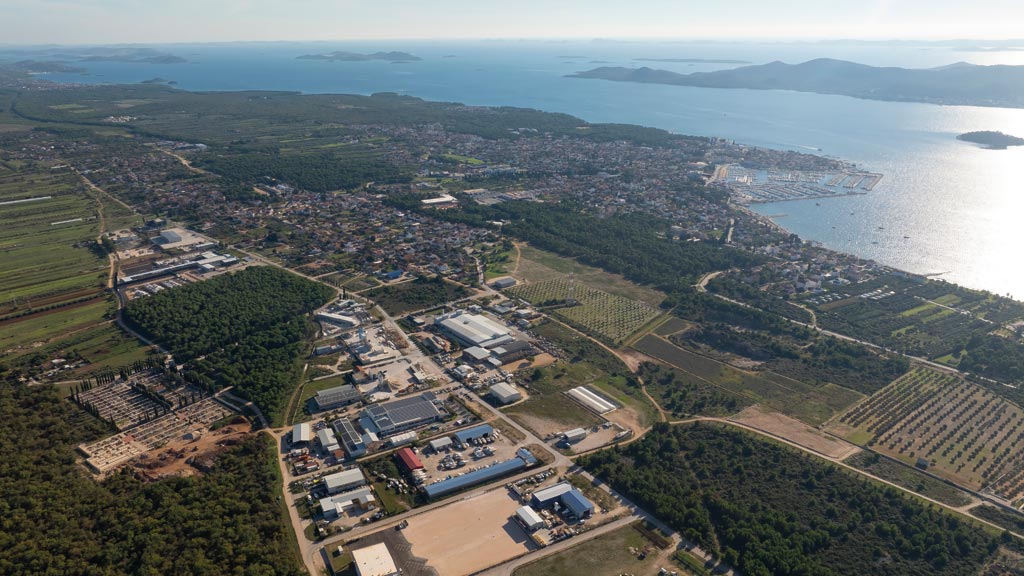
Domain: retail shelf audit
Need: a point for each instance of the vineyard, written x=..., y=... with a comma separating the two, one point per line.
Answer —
x=605, y=315
x=964, y=432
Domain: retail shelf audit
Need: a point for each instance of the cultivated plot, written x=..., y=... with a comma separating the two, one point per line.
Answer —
x=956, y=429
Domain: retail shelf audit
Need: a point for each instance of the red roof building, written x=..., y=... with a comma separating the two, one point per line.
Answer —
x=409, y=459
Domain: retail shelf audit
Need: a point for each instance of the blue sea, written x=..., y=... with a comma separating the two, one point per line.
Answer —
x=945, y=207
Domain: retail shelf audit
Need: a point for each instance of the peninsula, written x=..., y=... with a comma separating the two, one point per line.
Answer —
x=956, y=84
x=991, y=139
x=343, y=56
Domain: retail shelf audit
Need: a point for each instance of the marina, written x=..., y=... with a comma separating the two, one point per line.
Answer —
x=750, y=186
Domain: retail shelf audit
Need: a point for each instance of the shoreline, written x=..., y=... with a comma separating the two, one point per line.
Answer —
x=733, y=202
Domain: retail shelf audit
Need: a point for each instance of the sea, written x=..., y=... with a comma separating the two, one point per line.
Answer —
x=945, y=208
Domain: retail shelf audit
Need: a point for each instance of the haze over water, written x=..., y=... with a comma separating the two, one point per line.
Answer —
x=944, y=206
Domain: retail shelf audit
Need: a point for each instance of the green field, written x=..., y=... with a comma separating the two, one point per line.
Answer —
x=608, y=554
x=811, y=404
x=537, y=265
x=418, y=294
x=607, y=316
x=309, y=389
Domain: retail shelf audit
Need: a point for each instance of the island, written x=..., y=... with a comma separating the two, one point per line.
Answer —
x=37, y=67
x=157, y=80
x=691, y=60
x=991, y=140
x=343, y=56
x=956, y=84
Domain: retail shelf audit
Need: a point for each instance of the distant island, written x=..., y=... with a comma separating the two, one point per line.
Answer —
x=957, y=84
x=342, y=56
x=158, y=59
x=991, y=139
x=157, y=80
x=691, y=60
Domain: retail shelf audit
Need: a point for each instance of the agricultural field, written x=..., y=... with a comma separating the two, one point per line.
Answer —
x=609, y=317
x=810, y=404
x=50, y=225
x=964, y=432
x=537, y=265
x=898, y=318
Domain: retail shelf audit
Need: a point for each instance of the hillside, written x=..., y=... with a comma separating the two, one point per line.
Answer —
x=959, y=84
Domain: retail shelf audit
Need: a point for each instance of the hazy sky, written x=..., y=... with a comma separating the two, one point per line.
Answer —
x=116, y=21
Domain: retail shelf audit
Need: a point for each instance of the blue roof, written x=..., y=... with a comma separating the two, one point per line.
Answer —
x=463, y=436
x=472, y=478
x=577, y=503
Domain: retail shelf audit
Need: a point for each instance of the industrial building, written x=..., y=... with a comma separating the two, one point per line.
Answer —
x=505, y=393
x=524, y=458
x=339, y=320
x=515, y=350
x=591, y=400
x=439, y=444
x=181, y=239
x=336, y=397
x=361, y=498
x=575, y=503
x=400, y=415
x=502, y=283
x=409, y=460
x=573, y=436
x=529, y=518
x=374, y=560
x=345, y=480
x=469, y=434
x=302, y=433
x=328, y=440
x=473, y=329
x=354, y=443
x=403, y=438
x=476, y=354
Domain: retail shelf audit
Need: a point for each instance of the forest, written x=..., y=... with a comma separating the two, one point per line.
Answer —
x=249, y=327
x=634, y=245
x=316, y=172
x=416, y=295
x=55, y=520
x=767, y=509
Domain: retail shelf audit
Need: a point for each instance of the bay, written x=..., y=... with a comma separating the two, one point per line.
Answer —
x=945, y=207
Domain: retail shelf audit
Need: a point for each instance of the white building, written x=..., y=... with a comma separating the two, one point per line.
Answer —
x=474, y=329
x=345, y=480
x=505, y=393
x=374, y=560
x=591, y=400
x=302, y=433
x=529, y=518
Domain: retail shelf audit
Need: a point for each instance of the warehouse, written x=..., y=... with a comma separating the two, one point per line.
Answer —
x=400, y=415
x=505, y=393
x=515, y=350
x=473, y=329
x=340, y=320
x=546, y=497
x=439, y=444
x=403, y=438
x=476, y=354
x=529, y=518
x=591, y=400
x=502, y=283
x=469, y=434
x=575, y=503
x=361, y=498
x=337, y=397
x=354, y=443
x=328, y=440
x=522, y=460
x=344, y=480
x=302, y=433
x=374, y=560
x=409, y=460
x=573, y=436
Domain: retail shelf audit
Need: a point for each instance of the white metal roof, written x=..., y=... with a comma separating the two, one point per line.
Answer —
x=374, y=560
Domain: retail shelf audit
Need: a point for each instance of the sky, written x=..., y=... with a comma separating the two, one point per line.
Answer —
x=166, y=21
